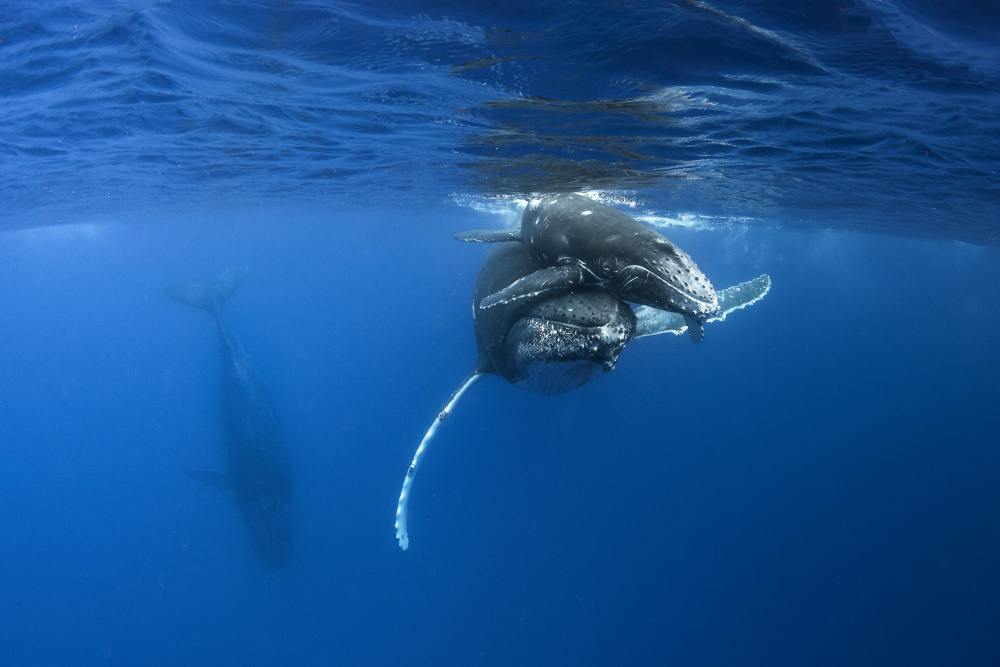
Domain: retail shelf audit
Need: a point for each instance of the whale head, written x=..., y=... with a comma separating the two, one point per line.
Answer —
x=664, y=276
x=567, y=341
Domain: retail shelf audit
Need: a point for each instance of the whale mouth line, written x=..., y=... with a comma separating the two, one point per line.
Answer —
x=668, y=284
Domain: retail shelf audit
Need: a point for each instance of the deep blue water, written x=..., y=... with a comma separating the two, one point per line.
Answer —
x=816, y=483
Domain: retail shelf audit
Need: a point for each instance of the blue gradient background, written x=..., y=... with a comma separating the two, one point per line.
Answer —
x=817, y=483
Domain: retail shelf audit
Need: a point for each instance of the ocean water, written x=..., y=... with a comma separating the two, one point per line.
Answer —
x=817, y=483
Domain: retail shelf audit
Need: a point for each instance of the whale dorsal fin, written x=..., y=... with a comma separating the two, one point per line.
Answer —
x=488, y=236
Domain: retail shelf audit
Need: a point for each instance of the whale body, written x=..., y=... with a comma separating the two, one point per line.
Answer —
x=258, y=473
x=551, y=341
x=581, y=243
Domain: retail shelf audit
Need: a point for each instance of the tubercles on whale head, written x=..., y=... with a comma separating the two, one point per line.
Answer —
x=676, y=286
x=692, y=290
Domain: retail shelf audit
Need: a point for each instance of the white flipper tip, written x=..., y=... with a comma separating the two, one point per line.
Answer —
x=401, y=537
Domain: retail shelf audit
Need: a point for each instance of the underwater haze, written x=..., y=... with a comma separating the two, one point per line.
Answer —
x=816, y=483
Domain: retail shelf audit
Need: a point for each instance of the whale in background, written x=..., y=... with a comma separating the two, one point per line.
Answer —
x=257, y=470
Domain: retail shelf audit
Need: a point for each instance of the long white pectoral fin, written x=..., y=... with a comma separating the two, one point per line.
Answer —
x=742, y=295
x=651, y=321
x=411, y=473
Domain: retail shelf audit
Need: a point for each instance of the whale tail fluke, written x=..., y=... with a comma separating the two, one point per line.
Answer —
x=411, y=473
x=208, y=296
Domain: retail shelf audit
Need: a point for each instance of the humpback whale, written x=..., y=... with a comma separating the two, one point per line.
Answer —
x=257, y=469
x=578, y=242
x=553, y=341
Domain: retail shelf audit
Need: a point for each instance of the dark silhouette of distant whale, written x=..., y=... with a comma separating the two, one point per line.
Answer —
x=257, y=469
x=553, y=341
x=578, y=242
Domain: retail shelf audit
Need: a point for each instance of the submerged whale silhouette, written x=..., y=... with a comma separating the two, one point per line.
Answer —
x=554, y=341
x=257, y=468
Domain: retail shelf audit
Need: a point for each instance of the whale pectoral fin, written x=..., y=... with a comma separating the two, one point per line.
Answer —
x=741, y=296
x=544, y=282
x=488, y=236
x=214, y=479
x=650, y=321
x=411, y=473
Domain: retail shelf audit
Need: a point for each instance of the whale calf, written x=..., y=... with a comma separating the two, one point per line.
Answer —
x=258, y=473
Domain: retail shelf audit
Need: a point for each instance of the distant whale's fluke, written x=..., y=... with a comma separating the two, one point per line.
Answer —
x=411, y=473
x=208, y=296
